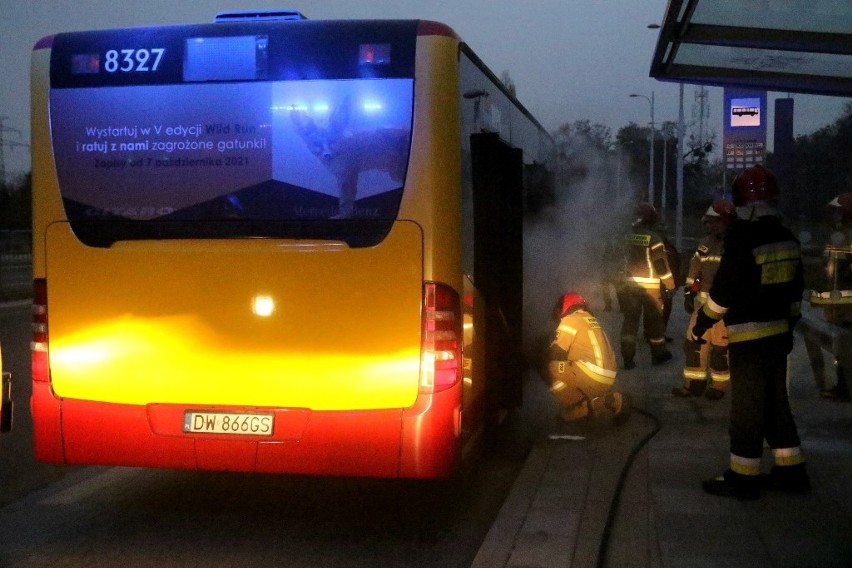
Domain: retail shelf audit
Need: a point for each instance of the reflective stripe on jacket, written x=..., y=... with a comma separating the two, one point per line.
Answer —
x=704, y=263
x=758, y=286
x=646, y=260
x=584, y=342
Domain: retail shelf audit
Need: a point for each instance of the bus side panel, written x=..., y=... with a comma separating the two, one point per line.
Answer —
x=431, y=429
x=431, y=436
x=433, y=186
x=47, y=203
x=47, y=424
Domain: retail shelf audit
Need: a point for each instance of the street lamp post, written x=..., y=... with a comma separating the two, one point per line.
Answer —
x=651, y=144
x=679, y=178
x=663, y=201
x=679, y=174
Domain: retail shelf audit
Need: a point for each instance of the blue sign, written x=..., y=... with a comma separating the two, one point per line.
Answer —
x=744, y=142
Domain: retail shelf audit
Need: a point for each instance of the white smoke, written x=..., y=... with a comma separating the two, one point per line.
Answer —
x=564, y=245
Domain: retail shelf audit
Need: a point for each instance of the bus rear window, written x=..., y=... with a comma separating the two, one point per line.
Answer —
x=222, y=142
x=237, y=155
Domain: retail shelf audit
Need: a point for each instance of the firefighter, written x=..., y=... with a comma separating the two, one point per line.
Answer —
x=712, y=354
x=835, y=291
x=757, y=291
x=647, y=280
x=581, y=366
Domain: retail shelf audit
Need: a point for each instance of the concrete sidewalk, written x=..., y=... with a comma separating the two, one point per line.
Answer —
x=595, y=495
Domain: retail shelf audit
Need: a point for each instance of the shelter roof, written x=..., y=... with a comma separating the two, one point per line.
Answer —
x=802, y=46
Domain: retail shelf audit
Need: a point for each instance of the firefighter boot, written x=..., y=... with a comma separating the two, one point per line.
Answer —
x=694, y=388
x=713, y=393
x=659, y=354
x=619, y=404
x=840, y=391
x=577, y=411
x=789, y=478
x=732, y=484
x=628, y=351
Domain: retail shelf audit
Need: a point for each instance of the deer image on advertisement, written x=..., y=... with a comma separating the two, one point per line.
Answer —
x=346, y=153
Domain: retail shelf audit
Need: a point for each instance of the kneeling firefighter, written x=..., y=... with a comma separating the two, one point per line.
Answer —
x=581, y=366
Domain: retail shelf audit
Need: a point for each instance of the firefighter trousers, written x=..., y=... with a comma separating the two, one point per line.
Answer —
x=646, y=306
x=760, y=408
x=842, y=374
x=712, y=354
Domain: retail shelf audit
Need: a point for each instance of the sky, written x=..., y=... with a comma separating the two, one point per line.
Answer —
x=569, y=59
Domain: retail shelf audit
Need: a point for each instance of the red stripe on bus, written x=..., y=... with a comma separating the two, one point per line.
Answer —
x=428, y=27
x=44, y=43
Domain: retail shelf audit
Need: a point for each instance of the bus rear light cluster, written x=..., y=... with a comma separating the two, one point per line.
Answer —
x=441, y=366
x=38, y=346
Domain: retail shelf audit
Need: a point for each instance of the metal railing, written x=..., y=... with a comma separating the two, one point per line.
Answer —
x=16, y=263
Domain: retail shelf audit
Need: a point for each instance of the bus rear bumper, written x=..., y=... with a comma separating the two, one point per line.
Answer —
x=418, y=442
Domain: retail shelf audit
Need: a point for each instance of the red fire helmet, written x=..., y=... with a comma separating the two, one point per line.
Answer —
x=570, y=302
x=842, y=201
x=646, y=213
x=723, y=209
x=839, y=209
x=756, y=183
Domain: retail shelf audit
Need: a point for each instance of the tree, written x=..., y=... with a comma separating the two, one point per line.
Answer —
x=15, y=199
x=822, y=166
x=581, y=146
x=632, y=142
x=701, y=178
x=506, y=79
x=581, y=135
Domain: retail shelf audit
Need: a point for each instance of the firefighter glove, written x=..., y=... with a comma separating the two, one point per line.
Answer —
x=556, y=353
x=696, y=333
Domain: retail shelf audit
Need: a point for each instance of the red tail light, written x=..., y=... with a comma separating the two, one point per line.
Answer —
x=441, y=365
x=41, y=370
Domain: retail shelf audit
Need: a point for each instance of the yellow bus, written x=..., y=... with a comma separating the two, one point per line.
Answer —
x=272, y=244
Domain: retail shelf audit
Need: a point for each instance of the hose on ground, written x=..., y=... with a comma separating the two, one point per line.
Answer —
x=616, y=498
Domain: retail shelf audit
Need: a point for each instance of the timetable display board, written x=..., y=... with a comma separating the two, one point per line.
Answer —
x=744, y=142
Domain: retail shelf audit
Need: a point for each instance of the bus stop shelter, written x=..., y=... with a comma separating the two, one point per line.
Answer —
x=801, y=46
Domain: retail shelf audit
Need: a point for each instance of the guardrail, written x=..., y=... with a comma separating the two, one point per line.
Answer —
x=16, y=260
x=831, y=337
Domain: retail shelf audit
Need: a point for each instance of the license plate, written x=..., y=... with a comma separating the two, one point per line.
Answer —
x=247, y=424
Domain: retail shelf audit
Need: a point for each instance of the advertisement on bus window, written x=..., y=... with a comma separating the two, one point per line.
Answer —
x=283, y=150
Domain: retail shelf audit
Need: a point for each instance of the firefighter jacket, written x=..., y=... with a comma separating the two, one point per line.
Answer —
x=647, y=264
x=759, y=284
x=673, y=258
x=703, y=266
x=834, y=293
x=581, y=353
